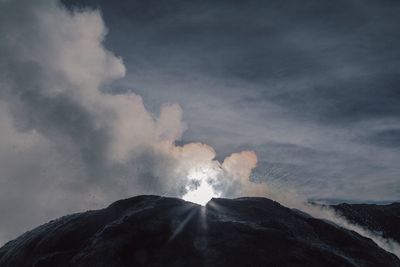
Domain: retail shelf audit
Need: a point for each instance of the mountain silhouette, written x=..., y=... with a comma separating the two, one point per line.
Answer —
x=160, y=231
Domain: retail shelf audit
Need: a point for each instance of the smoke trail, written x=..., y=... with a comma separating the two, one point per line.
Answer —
x=329, y=214
x=293, y=200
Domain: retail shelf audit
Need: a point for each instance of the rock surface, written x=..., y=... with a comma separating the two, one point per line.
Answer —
x=384, y=219
x=158, y=231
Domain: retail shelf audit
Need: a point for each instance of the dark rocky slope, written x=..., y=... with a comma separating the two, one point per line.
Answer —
x=384, y=219
x=157, y=231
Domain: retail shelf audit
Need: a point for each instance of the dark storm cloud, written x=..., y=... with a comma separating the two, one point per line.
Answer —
x=328, y=61
x=354, y=99
x=319, y=78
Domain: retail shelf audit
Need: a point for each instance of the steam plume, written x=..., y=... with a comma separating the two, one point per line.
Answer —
x=67, y=145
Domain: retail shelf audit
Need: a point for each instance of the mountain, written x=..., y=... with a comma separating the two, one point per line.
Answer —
x=384, y=219
x=159, y=231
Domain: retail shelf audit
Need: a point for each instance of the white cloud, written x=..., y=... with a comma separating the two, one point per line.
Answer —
x=66, y=145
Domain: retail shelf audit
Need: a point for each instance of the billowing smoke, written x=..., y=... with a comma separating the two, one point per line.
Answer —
x=66, y=145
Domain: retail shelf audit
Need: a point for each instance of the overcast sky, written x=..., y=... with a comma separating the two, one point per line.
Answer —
x=312, y=87
x=98, y=97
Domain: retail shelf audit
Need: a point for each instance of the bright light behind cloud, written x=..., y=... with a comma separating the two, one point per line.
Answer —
x=86, y=137
x=200, y=189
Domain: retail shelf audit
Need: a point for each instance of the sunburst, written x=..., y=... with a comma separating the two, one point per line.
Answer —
x=201, y=182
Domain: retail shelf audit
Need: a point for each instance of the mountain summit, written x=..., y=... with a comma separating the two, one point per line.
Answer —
x=160, y=231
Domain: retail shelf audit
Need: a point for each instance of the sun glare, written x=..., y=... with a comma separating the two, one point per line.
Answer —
x=200, y=189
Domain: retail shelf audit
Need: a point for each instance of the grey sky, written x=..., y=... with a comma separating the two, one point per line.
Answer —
x=312, y=86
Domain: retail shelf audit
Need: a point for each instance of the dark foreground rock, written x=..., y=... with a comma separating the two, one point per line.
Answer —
x=157, y=231
x=384, y=219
